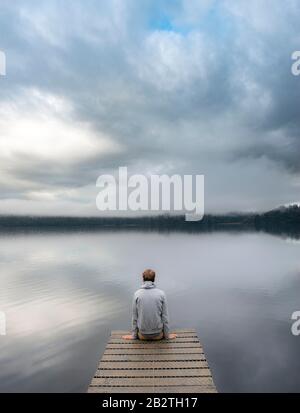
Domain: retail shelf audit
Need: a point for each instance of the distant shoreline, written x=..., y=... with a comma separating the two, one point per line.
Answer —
x=285, y=220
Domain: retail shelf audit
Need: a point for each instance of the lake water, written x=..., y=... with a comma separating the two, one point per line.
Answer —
x=63, y=293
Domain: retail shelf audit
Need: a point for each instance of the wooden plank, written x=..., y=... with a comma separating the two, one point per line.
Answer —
x=177, y=331
x=153, y=351
x=160, y=344
x=179, y=334
x=176, y=341
x=151, y=381
x=154, y=373
x=128, y=365
x=149, y=357
x=169, y=389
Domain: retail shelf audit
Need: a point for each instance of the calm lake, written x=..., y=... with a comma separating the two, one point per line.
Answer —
x=63, y=293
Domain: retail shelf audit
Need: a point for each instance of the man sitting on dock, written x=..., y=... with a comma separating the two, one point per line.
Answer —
x=150, y=319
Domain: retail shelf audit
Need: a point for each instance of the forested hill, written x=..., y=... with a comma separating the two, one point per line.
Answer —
x=283, y=219
x=280, y=220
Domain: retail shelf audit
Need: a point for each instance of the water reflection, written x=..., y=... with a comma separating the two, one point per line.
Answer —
x=63, y=293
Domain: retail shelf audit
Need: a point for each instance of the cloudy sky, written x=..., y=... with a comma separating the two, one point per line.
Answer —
x=168, y=86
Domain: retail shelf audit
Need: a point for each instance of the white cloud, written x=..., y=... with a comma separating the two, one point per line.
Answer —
x=192, y=11
x=169, y=60
x=42, y=148
x=57, y=23
x=49, y=139
x=47, y=132
x=266, y=16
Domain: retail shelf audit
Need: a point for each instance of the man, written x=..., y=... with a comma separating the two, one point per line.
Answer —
x=150, y=319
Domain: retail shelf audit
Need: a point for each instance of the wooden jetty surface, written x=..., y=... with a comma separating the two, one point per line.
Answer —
x=166, y=366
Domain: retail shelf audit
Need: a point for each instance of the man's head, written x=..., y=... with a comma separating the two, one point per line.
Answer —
x=149, y=275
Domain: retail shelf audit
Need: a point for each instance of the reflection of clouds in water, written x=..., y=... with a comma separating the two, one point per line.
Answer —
x=64, y=293
x=56, y=298
x=56, y=248
x=49, y=315
x=260, y=356
x=252, y=335
x=51, y=305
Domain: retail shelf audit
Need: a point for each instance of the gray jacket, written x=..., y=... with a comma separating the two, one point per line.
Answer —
x=149, y=311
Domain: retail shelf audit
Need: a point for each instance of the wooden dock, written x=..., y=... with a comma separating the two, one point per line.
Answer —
x=166, y=366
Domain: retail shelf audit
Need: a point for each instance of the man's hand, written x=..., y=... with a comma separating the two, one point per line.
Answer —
x=129, y=337
x=172, y=336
